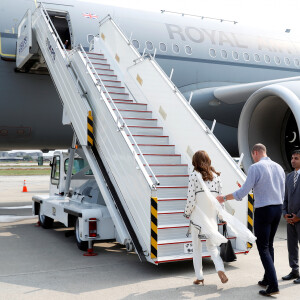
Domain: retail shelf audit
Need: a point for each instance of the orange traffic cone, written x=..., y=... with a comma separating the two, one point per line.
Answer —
x=24, y=187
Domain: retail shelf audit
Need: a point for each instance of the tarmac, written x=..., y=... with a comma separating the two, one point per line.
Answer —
x=36, y=263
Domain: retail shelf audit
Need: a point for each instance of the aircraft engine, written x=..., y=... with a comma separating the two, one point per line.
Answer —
x=271, y=116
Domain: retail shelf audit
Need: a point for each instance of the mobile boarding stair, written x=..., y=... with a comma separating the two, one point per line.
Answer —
x=142, y=137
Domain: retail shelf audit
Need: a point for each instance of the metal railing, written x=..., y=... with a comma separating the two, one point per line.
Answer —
x=197, y=16
x=120, y=121
x=54, y=32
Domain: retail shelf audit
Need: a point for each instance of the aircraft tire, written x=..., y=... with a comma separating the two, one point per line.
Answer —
x=45, y=221
x=82, y=245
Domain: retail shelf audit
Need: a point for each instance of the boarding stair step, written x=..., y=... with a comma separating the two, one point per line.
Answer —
x=159, y=158
x=126, y=113
x=162, y=152
x=103, y=71
x=167, y=204
x=127, y=105
x=171, y=191
x=115, y=89
x=172, y=179
x=169, y=169
x=141, y=122
x=151, y=139
x=145, y=130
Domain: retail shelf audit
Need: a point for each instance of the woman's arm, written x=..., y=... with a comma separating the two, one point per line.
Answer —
x=191, y=196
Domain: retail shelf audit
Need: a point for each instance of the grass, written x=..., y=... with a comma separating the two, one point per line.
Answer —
x=24, y=172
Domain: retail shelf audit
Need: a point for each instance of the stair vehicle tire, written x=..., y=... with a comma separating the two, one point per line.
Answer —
x=129, y=246
x=45, y=221
x=82, y=245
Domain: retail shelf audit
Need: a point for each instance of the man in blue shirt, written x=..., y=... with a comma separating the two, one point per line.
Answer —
x=267, y=179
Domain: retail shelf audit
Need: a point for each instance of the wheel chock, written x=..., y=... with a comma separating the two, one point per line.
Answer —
x=90, y=252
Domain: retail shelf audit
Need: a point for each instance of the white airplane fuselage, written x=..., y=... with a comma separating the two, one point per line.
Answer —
x=205, y=54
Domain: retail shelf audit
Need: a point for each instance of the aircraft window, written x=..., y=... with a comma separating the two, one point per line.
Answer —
x=224, y=53
x=235, y=55
x=297, y=63
x=246, y=56
x=212, y=53
x=136, y=44
x=287, y=61
x=267, y=59
x=188, y=50
x=149, y=45
x=256, y=57
x=162, y=47
x=175, y=48
x=277, y=60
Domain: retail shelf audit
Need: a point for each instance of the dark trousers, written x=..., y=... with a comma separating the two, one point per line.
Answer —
x=293, y=238
x=266, y=220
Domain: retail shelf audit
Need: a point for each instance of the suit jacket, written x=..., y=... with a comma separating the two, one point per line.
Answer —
x=291, y=202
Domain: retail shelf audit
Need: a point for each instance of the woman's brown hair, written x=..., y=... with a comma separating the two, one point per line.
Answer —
x=202, y=164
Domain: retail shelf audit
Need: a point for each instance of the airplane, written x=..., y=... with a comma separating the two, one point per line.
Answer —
x=222, y=63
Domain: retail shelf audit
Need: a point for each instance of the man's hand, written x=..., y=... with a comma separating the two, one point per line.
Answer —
x=288, y=218
x=294, y=219
x=220, y=199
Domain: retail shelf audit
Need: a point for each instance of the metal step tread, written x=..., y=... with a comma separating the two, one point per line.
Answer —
x=154, y=145
x=168, y=165
x=97, y=58
x=95, y=63
x=177, y=225
x=171, y=199
x=146, y=127
x=163, y=155
x=106, y=80
x=115, y=87
x=93, y=53
x=150, y=135
x=170, y=212
x=131, y=103
x=179, y=175
x=115, y=93
x=106, y=74
x=139, y=118
x=171, y=258
x=103, y=69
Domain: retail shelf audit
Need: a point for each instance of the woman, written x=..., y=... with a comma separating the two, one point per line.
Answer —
x=202, y=165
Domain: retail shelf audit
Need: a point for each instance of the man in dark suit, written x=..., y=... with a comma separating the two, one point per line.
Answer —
x=291, y=213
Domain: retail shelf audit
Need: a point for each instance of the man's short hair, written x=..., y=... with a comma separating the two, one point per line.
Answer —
x=259, y=148
x=296, y=152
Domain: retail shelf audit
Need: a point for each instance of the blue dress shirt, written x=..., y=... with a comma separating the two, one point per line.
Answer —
x=267, y=179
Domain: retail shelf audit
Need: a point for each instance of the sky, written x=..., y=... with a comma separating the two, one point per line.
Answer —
x=266, y=14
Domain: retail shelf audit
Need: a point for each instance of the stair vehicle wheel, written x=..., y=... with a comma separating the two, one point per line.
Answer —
x=129, y=246
x=45, y=221
x=82, y=245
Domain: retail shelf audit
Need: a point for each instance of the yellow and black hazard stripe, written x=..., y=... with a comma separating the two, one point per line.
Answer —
x=153, y=227
x=90, y=130
x=250, y=215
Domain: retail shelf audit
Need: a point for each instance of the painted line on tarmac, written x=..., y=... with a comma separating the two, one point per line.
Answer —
x=16, y=207
x=10, y=218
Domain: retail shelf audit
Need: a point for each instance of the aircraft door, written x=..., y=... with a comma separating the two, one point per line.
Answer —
x=24, y=42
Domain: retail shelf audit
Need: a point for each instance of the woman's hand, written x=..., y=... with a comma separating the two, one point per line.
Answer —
x=220, y=199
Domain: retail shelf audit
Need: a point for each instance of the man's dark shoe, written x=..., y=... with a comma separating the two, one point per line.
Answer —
x=269, y=291
x=263, y=283
x=297, y=281
x=290, y=276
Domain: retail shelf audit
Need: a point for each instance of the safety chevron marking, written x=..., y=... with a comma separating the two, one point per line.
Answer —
x=90, y=129
x=250, y=215
x=153, y=227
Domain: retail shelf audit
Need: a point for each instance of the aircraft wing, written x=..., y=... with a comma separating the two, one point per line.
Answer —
x=234, y=94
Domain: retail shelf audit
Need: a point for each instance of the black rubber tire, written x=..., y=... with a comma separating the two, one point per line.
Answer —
x=82, y=245
x=45, y=221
